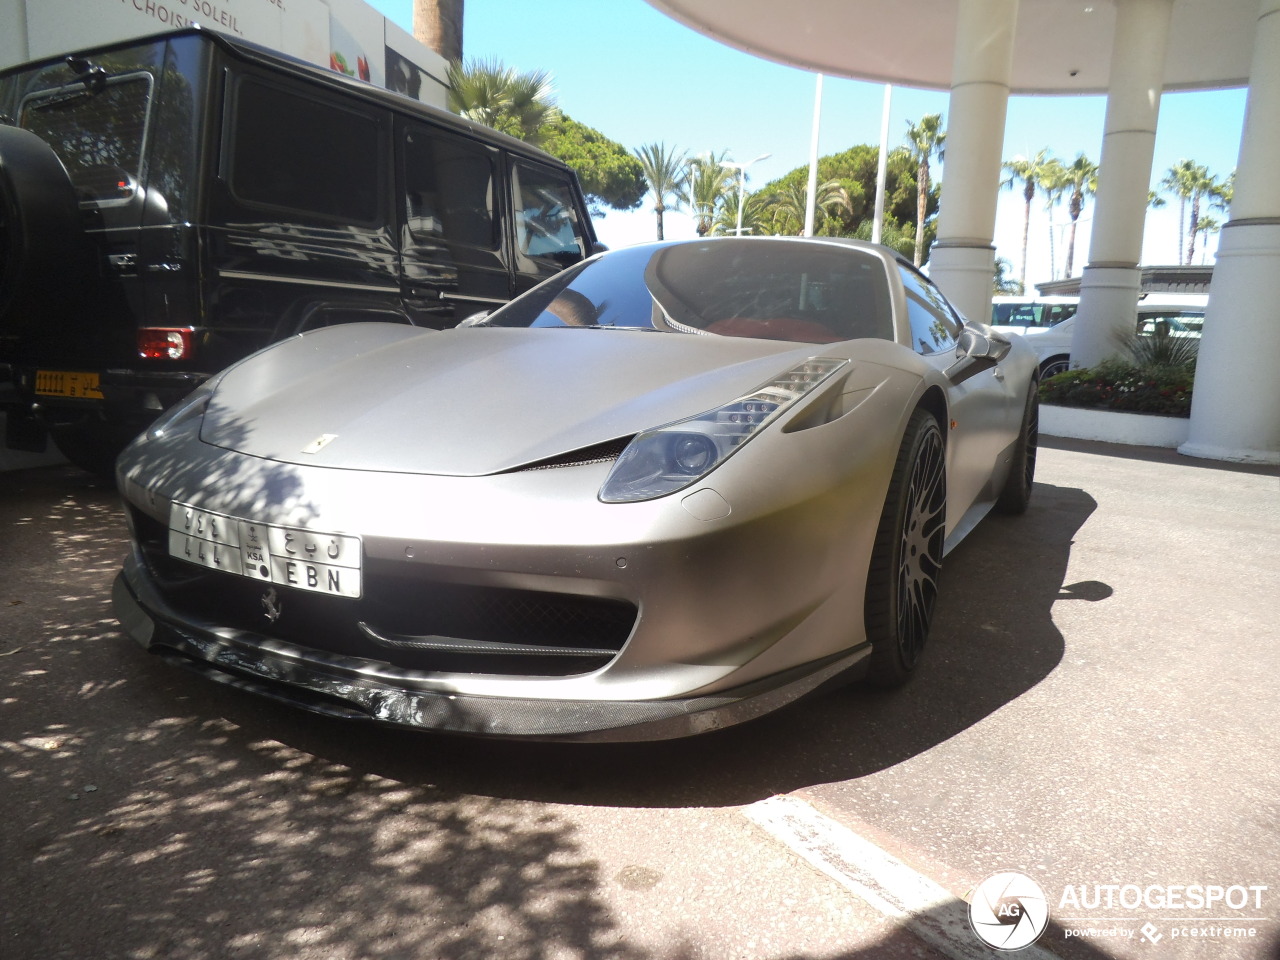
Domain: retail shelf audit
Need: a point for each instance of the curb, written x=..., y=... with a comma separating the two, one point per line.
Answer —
x=1114, y=426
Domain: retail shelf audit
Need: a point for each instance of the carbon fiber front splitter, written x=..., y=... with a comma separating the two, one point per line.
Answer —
x=352, y=688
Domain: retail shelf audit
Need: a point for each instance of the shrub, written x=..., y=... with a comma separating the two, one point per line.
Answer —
x=1122, y=385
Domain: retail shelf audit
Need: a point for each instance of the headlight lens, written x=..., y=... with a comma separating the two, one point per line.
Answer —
x=669, y=458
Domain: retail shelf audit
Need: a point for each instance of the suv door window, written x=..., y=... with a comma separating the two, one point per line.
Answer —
x=549, y=234
x=452, y=238
x=934, y=325
x=293, y=151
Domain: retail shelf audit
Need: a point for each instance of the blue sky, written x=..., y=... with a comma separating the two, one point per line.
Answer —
x=639, y=77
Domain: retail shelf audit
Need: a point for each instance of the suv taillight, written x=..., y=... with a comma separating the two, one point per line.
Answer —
x=165, y=343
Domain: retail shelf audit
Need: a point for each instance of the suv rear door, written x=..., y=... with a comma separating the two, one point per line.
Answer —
x=453, y=246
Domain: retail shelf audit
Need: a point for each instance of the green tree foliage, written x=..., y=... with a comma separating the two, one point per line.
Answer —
x=1003, y=282
x=706, y=188
x=518, y=104
x=854, y=171
x=755, y=215
x=610, y=176
x=664, y=171
x=522, y=105
x=896, y=236
x=787, y=209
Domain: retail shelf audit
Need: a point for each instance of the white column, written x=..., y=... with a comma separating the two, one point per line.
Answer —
x=1235, y=411
x=1109, y=286
x=962, y=260
x=811, y=191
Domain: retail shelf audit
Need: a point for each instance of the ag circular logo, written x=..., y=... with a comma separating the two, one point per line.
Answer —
x=1008, y=911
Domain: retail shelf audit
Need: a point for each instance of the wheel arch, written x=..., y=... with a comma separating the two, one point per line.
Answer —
x=934, y=401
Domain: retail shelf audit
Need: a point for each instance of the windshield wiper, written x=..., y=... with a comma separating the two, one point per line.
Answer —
x=90, y=74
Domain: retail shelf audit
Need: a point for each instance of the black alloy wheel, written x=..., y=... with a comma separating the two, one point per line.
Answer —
x=902, y=584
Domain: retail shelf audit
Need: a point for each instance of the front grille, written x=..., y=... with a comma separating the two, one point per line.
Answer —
x=406, y=622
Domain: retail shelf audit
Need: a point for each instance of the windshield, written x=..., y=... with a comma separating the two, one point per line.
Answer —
x=770, y=290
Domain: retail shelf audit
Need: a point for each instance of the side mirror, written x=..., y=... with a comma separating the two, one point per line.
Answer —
x=978, y=348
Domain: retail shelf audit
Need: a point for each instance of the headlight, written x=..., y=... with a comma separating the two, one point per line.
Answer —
x=669, y=458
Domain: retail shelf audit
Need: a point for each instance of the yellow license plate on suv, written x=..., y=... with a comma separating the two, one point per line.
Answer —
x=63, y=383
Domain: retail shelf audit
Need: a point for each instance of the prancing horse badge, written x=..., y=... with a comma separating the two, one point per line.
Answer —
x=271, y=603
x=320, y=442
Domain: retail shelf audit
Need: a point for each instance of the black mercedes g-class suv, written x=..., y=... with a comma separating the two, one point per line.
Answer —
x=170, y=204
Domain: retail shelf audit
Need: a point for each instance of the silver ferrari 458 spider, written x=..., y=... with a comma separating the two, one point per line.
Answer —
x=670, y=489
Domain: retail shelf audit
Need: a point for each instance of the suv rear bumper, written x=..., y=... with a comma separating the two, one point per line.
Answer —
x=131, y=399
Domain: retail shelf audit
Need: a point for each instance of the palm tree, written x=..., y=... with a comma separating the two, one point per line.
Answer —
x=1002, y=283
x=519, y=104
x=1028, y=172
x=1201, y=183
x=925, y=141
x=705, y=188
x=787, y=207
x=1177, y=181
x=1053, y=183
x=1207, y=225
x=663, y=171
x=1224, y=194
x=1082, y=179
x=437, y=24
x=894, y=235
x=753, y=215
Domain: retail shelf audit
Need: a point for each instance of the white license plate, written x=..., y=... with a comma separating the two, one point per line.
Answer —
x=326, y=563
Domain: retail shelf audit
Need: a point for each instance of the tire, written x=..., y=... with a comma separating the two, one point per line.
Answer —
x=1054, y=366
x=902, y=583
x=90, y=445
x=1016, y=494
x=40, y=227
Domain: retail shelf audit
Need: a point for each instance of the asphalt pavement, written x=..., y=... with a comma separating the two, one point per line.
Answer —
x=1097, y=709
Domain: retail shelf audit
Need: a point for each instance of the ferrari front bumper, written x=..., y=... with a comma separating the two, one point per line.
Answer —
x=356, y=688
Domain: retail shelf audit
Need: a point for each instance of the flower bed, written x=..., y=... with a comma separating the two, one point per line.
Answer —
x=1118, y=385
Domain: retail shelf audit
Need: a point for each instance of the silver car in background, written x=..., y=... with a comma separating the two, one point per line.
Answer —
x=671, y=489
x=1049, y=323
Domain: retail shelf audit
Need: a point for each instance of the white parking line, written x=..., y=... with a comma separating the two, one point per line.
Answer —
x=925, y=908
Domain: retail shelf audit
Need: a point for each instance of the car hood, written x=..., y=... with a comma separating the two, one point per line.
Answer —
x=475, y=401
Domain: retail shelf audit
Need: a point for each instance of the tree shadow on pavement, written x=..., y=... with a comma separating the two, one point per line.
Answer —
x=151, y=814
x=993, y=639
